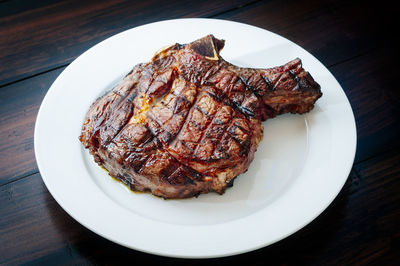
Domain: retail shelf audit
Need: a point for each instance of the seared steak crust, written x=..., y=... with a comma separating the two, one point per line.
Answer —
x=188, y=122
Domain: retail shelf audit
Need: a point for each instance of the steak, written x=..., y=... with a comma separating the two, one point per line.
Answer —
x=189, y=122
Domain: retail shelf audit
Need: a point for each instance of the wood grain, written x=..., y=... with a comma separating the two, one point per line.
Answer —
x=19, y=104
x=9, y=8
x=333, y=31
x=53, y=35
x=370, y=83
x=35, y=229
x=355, y=39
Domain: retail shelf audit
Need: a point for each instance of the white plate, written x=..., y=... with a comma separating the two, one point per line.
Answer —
x=298, y=170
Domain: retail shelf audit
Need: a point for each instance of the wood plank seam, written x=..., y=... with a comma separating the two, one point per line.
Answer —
x=33, y=75
x=233, y=9
x=353, y=57
x=238, y=7
x=66, y=62
x=382, y=153
x=25, y=175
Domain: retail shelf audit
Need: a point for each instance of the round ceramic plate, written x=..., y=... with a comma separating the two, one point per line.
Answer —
x=299, y=167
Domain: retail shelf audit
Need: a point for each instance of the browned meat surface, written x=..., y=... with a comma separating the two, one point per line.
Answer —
x=189, y=122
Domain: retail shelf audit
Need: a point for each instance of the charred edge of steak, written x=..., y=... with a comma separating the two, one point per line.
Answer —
x=294, y=90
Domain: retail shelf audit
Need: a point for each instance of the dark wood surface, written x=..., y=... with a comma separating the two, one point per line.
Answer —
x=354, y=39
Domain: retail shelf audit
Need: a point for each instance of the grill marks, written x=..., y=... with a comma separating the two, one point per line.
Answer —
x=241, y=88
x=245, y=89
x=214, y=133
x=208, y=146
x=167, y=117
x=193, y=131
x=104, y=123
x=199, y=116
x=116, y=134
x=136, y=148
x=185, y=124
x=287, y=77
x=164, y=120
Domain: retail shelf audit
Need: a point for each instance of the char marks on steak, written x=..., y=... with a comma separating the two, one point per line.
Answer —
x=188, y=122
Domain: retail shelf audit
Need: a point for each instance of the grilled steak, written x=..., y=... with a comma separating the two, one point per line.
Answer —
x=188, y=122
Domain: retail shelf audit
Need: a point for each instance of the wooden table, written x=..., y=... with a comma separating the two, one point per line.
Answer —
x=354, y=39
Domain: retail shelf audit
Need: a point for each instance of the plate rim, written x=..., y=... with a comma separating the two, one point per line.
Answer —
x=45, y=178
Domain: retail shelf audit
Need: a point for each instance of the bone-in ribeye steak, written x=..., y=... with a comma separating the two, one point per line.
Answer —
x=188, y=122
